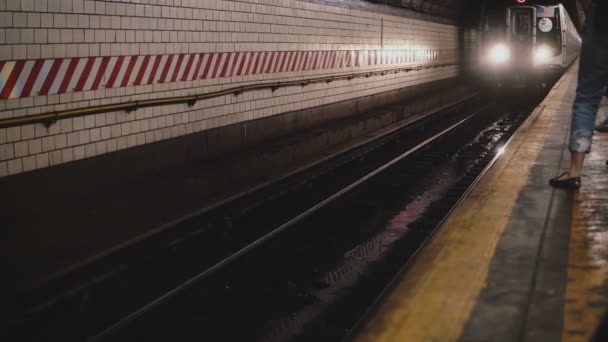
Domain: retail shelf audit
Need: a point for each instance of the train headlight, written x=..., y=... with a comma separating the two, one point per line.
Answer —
x=542, y=54
x=500, y=53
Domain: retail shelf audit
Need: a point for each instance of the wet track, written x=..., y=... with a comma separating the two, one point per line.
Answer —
x=316, y=278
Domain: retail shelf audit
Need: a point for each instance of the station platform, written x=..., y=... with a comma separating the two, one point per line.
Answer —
x=517, y=260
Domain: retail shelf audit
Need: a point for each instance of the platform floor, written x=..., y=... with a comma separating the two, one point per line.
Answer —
x=517, y=260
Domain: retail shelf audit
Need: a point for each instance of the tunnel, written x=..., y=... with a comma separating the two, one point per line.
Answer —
x=128, y=127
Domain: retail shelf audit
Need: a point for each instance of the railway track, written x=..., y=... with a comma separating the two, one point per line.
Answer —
x=293, y=242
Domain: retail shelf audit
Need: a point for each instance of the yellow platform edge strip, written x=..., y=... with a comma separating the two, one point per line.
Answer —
x=436, y=298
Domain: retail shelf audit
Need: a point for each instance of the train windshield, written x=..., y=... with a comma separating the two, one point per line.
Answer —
x=549, y=29
x=493, y=24
x=522, y=21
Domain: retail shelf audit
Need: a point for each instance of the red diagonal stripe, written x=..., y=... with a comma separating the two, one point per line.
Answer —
x=31, y=80
x=295, y=59
x=305, y=64
x=68, y=75
x=216, y=67
x=250, y=63
x=301, y=65
x=323, y=60
x=115, y=72
x=207, y=66
x=243, y=59
x=226, y=64
x=12, y=79
x=154, y=70
x=292, y=61
x=180, y=60
x=125, y=79
x=332, y=59
x=163, y=75
x=101, y=72
x=311, y=60
x=257, y=61
x=272, y=56
x=142, y=70
x=50, y=78
x=315, y=60
x=234, y=62
x=292, y=57
x=286, y=60
x=198, y=66
x=188, y=67
x=85, y=74
x=263, y=66
x=278, y=62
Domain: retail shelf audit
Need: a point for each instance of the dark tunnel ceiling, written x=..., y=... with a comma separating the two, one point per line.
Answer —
x=461, y=8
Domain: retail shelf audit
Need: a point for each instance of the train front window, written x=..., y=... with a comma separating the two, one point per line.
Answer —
x=548, y=31
x=522, y=23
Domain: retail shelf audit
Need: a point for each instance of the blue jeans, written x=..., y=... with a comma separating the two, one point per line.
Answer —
x=592, y=78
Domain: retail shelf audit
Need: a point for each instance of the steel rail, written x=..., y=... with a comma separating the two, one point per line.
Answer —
x=52, y=117
x=226, y=261
x=373, y=308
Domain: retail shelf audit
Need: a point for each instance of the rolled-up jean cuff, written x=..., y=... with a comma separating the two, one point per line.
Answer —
x=580, y=141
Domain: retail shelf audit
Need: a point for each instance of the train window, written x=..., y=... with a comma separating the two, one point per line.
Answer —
x=549, y=30
x=522, y=23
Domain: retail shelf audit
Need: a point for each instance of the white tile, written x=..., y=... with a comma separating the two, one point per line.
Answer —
x=27, y=132
x=7, y=151
x=79, y=152
x=15, y=166
x=48, y=144
x=55, y=158
x=13, y=5
x=101, y=147
x=67, y=155
x=72, y=139
x=90, y=150
x=78, y=123
x=3, y=169
x=84, y=136
x=61, y=141
x=29, y=163
x=89, y=121
x=40, y=5
x=35, y=146
x=21, y=149
x=42, y=160
x=13, y=134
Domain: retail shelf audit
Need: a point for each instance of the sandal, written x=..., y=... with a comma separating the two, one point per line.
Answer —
x=571, y=183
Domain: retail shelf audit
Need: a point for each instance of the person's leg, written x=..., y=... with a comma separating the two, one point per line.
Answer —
x=602, y=126
x=592, y=77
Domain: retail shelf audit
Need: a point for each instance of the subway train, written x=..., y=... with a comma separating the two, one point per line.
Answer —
x=527, y=45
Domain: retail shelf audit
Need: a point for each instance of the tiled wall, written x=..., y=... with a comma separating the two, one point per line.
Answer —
x=65, y=54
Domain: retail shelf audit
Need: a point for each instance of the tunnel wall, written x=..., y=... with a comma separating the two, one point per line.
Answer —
x=57, y=55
